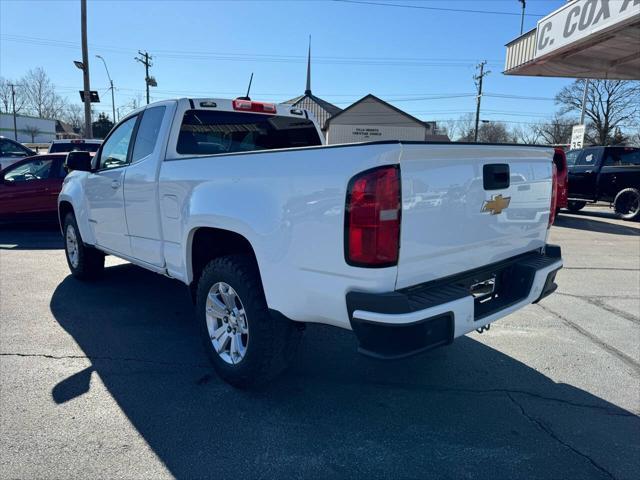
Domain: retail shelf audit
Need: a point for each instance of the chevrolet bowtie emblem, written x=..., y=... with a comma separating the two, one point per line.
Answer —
x=496, y=205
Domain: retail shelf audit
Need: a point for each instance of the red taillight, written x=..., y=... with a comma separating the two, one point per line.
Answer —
x=250, y=106
x=372, y=218
x=554, y=195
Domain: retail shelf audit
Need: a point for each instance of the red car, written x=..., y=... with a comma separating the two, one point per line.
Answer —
x=562, y=182
x=29, y=188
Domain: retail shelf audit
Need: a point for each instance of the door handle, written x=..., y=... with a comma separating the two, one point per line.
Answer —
x=115, y=184
x=588, y=171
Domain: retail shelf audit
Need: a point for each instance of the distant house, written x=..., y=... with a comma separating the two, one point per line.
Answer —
x=372, y=119
x=65, y=130
x=320, y=108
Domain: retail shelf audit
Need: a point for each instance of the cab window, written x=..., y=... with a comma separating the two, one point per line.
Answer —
x=115, y=150
x=148, y=131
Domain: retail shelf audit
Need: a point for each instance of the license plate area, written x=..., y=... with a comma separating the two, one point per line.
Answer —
x=495, y=290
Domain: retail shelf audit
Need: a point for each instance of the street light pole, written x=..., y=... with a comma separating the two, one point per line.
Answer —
x=113, y=101
x=85, y=71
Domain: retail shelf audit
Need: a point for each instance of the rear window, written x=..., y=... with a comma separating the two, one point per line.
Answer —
x=73, y=147
x=622, y=157
x=204, y=132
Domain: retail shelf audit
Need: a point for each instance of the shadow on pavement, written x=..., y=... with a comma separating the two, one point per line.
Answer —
x=585, y=221
x=39, y=236
x=462, y=411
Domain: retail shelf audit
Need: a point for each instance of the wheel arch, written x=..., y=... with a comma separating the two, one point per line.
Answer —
x=207, y=243
x=64, y=207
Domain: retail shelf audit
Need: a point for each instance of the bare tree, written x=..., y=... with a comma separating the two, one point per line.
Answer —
x=33, y=131
x=41, y=97
x=74, y=115
x=493, y=132
x=6, y=102
x=525, y=134
x=610, y=104
x=555, y=131
x=466, y=128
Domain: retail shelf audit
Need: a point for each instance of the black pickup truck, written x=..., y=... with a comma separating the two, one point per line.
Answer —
x=605, y=174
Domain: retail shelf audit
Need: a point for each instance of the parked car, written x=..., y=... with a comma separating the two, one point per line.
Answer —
x=12, y=152
x=59, y=146
x=29, y=188
x=605, y=174
x=270, y=229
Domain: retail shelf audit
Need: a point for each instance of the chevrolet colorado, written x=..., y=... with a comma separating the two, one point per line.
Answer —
x=410, y=245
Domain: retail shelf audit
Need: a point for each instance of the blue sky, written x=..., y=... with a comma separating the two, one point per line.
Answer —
x=209, y=48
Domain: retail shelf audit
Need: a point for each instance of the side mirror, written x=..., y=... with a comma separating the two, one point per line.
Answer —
x=78, y=161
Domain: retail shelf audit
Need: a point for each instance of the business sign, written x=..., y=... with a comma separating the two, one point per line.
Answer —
x=577, y=137
x=370, y=133
x=580, y=19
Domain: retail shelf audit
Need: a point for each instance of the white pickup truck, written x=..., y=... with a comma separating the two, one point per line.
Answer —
x=410, y=245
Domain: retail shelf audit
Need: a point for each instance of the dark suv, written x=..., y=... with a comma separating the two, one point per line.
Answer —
x=608, y=174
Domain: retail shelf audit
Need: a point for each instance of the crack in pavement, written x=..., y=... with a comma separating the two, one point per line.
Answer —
x=411, y=387
x=554, y=436
x=92, y=358
x=598, y=302
x=629, y=361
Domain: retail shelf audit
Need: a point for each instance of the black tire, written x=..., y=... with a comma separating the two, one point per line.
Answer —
x=89, y=262
x=272, y=339
x=575, y=205
x=627, y=204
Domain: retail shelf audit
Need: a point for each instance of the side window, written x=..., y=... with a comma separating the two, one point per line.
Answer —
x=29, y=172
x=622, y=157
x=588, y=158
x=148, y=131
x=12, y=149
x=572, y=156
x=115, y=150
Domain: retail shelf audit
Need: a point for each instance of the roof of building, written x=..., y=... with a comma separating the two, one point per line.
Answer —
x=320, y=108
x=379, y=100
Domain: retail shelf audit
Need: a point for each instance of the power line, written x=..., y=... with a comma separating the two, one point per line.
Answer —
x=253, y=57
x=441, y=9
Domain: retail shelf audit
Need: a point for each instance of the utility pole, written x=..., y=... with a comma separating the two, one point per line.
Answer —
x=524, y=5
x=146, y=61
x=13, y=103
x=478, y=78
x=584, y=100
x=85, y=71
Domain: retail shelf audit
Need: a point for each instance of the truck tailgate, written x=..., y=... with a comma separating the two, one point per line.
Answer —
x=447, y=226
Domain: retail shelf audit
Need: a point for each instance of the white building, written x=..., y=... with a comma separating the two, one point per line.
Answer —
x=372, y=119
x=581, y=39
x=29, y=129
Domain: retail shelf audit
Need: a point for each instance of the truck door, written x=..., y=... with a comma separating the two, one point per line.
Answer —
x=583, y=174
x=104, y=189
x=141, y=185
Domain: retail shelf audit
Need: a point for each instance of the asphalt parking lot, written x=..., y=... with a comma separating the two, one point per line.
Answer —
x=108, y=380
